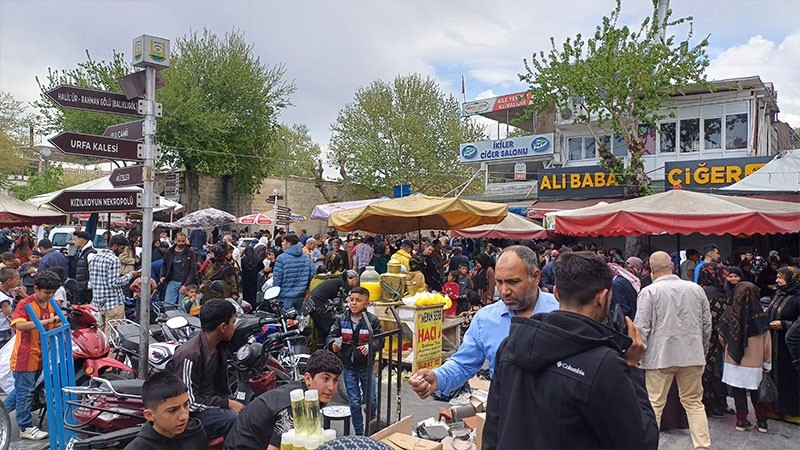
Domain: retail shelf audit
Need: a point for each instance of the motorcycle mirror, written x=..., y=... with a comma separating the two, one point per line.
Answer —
x=177, y=322
x=272, y=292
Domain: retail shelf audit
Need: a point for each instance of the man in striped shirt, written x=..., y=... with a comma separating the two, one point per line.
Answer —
x=106, y=282
x=202, y=364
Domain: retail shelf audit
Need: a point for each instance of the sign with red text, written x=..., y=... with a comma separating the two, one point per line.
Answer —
x=427, y=338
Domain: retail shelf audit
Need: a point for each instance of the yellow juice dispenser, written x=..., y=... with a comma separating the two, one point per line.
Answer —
x=371, y=281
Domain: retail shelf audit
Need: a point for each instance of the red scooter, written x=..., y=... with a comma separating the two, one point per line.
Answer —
x=90, y=347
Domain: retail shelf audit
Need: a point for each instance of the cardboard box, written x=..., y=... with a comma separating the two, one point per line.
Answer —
x=479, y=383
x=479, y=433
x=398, y=436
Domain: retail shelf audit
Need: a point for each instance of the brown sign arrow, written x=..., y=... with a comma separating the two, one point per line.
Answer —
x=96, y=201
x=127, y=176
x=96, y=146
x=91, y=100
x=130, y=130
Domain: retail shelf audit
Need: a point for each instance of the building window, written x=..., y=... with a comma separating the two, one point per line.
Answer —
x=575, y=146
x=647, y=134
x=589, y=148
x=690, y=135
x=735, y=131
x=667, y=137
x=619, y=148
x=712, y=132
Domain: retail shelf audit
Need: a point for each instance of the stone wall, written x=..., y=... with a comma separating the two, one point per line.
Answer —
x=303, y=196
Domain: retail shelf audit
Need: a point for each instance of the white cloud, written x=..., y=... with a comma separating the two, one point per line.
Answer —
x=778, y=63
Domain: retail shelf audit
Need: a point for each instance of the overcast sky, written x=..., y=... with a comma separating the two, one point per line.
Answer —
x=331, y=48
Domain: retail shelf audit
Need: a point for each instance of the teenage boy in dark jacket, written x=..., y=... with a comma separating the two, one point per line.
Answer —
x=202, y=365
x=565, y=380
x=166, y=408
x=349, y=337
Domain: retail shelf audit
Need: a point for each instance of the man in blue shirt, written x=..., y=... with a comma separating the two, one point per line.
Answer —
x=517, y=279
x=710, y=255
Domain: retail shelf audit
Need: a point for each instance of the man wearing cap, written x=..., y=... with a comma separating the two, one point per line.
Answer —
x=86, y=251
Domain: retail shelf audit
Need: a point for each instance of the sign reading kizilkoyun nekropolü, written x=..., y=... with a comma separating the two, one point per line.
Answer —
x=96, y=201
x=514, y=148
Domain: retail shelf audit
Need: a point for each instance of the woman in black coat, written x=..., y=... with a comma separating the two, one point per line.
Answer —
x=783, y=312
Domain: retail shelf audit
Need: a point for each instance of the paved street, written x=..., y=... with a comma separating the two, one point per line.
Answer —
x=723, y=435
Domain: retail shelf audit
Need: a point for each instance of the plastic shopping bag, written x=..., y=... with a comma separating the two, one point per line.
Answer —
x=767, y=392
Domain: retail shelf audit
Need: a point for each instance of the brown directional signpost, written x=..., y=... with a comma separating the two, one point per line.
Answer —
x=127, y=176
x=129, y=130
x=96, y=201
x=91, y=100
x=97, y=146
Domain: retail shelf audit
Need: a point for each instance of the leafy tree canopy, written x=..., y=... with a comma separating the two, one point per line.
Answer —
x=407, y=131
x=47, y=181
x=295, y=146
x=13, y=135
x=618, y=79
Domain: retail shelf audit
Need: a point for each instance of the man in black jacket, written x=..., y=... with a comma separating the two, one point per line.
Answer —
x=202, y=364
x=565, y=380
x=83, y=241
x=179, y=269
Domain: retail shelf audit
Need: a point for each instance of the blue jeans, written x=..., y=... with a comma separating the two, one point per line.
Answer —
x=355, y=380
x=296, y=303
x=173, y=292
x=21, y=397
x=216, y=421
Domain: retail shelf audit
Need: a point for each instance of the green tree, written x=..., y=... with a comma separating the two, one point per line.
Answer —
x=407, y=131
x=618, y=80
x=222, y=105
x=47, y=181
x=295, y=146
x=13, y=129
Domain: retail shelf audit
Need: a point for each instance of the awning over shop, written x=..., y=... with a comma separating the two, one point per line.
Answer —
x=782, y=174
x=680, y=212
x=538, y=209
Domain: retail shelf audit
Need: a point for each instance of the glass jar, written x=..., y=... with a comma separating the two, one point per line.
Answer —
x=371, y=281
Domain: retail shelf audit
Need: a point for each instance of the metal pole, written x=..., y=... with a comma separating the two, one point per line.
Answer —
x=286, y=177
x=663, y=6
x=147, y=217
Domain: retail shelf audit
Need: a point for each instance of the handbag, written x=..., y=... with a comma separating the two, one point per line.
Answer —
x=767, y=391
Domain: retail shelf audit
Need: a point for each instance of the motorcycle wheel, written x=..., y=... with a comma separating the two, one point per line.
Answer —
x=5, y=428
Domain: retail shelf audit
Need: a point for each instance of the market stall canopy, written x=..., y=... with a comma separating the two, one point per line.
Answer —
x=205, y=218
x=322, y=212
x=16, y=212
x=256, y=219
x=418, y=212
x=539, y=209
x=104, y=184
x=681, y=212
x=512, y=227
x=782, y=174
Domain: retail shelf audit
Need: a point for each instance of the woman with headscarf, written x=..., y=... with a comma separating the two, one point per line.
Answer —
x=415, y=278
x=252, y=264
x=783, y=312
x=484, y=278
x=712, y=279
x=219, y=268
x=744, y=333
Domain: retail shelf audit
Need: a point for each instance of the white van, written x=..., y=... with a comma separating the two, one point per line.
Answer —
x=60, y=235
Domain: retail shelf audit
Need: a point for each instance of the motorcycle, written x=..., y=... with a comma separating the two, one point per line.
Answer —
x=125, y=336
x=181, y=330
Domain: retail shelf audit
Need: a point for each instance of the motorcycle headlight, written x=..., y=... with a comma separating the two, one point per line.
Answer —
x=248, y=355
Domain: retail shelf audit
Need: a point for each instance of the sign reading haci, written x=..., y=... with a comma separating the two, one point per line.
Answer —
x=585, y=182
x=514, y=148
x=428, y=339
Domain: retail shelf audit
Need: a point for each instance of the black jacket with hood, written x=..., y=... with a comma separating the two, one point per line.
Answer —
x=561, y=381
x=193, y=437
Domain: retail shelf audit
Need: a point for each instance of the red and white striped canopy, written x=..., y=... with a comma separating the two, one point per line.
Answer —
x=256, y=219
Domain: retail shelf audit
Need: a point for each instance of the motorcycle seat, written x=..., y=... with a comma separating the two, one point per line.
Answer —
x=130, y=337
x=194, y=321
x=129, y=387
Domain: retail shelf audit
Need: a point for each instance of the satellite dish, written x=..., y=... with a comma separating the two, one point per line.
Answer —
x=566, y=113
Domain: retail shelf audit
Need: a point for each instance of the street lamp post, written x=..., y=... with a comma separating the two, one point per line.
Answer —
x=285, y=176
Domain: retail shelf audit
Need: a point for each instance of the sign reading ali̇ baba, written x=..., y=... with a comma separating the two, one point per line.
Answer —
x=586, y=181
x=702, y=175
x=515, y=148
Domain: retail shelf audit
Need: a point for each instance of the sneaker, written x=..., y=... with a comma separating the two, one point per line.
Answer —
x=744, y=426
x=762, y=425
x=792, y=419
x=33, y=433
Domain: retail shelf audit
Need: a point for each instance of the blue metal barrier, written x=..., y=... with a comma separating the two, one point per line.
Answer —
x=58, y=371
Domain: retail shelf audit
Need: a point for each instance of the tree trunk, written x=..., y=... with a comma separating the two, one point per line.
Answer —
x=633, y=246
x=192, y=189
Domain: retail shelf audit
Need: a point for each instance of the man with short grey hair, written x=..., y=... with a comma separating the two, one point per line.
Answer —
x=675, y=320
x=517, y=282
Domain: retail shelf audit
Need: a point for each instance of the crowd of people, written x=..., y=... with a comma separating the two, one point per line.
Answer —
x=605, y=329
